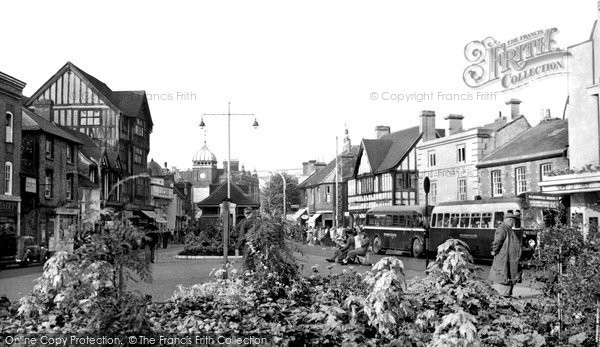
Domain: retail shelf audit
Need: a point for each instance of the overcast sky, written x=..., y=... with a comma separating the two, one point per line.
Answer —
x=304, y=68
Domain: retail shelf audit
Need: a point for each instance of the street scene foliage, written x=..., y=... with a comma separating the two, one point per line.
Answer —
x=451, y=306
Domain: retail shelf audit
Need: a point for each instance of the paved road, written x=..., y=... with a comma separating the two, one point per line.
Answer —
x=169, y=272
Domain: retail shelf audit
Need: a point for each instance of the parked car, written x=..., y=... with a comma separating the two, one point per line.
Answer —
x=21, y=250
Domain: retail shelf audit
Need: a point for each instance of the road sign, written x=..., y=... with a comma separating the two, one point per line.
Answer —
x=426, y=185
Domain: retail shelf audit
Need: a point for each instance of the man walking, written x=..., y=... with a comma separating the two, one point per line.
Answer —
x=506, y=250
x=242, y=229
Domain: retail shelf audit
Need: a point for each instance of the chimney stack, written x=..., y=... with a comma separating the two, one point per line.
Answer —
x=44, y=108
x=381, y=130
x=514, y=108
x=427, y=126
x=311, y=166
x=305, y=169
x=454, y=123
x=319, y=166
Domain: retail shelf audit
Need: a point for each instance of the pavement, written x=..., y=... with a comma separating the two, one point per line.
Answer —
x=170, y=272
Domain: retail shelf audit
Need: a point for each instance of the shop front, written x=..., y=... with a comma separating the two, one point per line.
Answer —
x=9, y=214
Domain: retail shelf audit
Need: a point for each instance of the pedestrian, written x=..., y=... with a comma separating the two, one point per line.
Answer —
x=343, y=249
x=361, y=245
x=152, y=238
x=242, y=230
x=506, y=249
x=166, y=236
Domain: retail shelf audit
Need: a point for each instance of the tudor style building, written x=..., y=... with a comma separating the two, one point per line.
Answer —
x=118, y=121
x=385, y=172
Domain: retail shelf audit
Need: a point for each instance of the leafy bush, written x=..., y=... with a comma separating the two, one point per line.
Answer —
x=568, y=264
x=269, y=255
x=207, y=240
x=86, y=290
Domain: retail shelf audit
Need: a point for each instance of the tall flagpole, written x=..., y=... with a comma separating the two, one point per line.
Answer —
x=337, y=199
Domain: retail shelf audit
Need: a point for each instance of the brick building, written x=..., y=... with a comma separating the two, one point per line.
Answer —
x=518, y=166
x=11, y=90
x=49, y=167
x=319, y=189
x=450, y=161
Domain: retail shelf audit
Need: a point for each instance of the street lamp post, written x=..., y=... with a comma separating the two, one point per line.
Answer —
x=226, y=203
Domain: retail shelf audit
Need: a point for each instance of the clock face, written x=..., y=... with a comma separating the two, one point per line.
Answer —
x=202, y=175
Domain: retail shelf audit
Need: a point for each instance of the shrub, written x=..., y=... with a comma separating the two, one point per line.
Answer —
x=568, y=264
x=86, y=290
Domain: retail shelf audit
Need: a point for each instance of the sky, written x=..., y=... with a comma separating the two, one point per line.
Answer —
x=305, y=69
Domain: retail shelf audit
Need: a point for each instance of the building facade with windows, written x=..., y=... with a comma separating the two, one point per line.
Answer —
x=50, y=170
x=520, y=165
x=118, y=121
x=318, y=192
x=385, y=173
x=451, y=161
x=11, y=90
x=580, y=183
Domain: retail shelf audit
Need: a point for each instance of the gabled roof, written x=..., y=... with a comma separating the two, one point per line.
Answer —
x=130, y=103
x=237, y=197
x=89, y=148
x=327, y=173
x=34, y=122
x=550, y=138
x=388, y=151
x=376, y=151
x=84, y=182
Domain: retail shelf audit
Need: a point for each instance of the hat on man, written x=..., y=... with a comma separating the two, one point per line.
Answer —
x=248, y=210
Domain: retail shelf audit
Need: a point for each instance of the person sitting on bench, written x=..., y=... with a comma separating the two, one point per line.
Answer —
x=343, y=249
x=361, y=246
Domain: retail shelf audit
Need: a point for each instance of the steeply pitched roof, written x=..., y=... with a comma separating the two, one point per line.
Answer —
x=327, y=173
x=376, y=151
x=547, y=139
x=34, y=122
x=130, y=103
x=84, y=182
x=237, y=197
x=89, y=148
x=401, y=143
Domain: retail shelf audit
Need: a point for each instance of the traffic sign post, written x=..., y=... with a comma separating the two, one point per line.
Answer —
x=426, y=187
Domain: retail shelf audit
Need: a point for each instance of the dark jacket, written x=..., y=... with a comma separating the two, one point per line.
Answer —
x=349, y=244
x=242, y=230
x=507, y=247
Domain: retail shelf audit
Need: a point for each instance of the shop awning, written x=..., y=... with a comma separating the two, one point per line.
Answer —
x=313, y=218
x=299, y=213
x=149, y=214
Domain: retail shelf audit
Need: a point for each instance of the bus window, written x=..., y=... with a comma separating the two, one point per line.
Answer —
x=486, y=220
x=454, y=220
x=401, y=221
x=409, y=221
x=464, y=220
x=388, y=220
x=395, y=220
x=475, y=220
x=446, y=220
x=498, y=218
x=370, y=220
x=417, y=220
x=518, y=219
x=439, y=221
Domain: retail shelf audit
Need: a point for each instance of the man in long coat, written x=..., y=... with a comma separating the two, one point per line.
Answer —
x=506, y=250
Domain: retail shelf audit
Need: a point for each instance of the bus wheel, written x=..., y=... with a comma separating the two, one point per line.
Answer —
x=417, y=248
x=377, y=245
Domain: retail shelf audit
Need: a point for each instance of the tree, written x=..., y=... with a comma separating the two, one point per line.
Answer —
x=273, y=193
